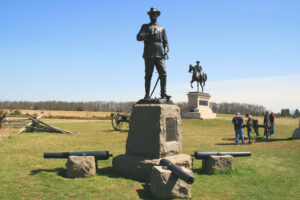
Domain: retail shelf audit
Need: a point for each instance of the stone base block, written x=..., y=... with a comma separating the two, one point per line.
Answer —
x=191, y=115
x=139, y=168
x=217, y=163
x=164, y=184
x=205, y=113
x=296, y=134
x=80, y=166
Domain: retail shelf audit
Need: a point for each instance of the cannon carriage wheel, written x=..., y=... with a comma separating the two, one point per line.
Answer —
x=120, y=122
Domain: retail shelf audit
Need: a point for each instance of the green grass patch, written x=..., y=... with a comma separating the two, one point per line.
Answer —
x=272, y=172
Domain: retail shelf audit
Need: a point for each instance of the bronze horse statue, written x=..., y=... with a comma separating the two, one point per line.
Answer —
x=200, y=77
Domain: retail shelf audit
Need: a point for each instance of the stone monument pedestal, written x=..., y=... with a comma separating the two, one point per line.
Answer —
x=198, y=106
x=155, y=133
x=296, y=134
x=139, y=167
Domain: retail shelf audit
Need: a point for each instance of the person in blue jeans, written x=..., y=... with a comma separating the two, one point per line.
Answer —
x=238, y=128
x=272, y=121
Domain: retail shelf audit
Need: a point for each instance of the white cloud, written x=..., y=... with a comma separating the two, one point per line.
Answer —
x=272, y=92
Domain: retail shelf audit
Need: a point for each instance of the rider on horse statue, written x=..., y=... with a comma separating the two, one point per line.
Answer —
x=198, y=66
x=198, y=76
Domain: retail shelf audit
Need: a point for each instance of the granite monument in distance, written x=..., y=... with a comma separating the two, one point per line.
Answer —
x=155, y=127
x=198, y=102
x=296, y=133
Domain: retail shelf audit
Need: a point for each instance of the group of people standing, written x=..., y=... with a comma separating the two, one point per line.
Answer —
x=238, y=122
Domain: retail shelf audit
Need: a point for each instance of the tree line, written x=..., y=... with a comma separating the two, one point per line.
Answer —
x=287, y=113
x=103, y=106
x=111, y=106
x=243, y=108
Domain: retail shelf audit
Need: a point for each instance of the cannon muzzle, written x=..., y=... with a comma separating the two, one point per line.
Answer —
x=206, y=154
x=177, y=171
x=99, y=155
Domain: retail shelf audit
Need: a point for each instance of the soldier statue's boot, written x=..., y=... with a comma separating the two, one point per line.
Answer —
x=147, y=96
x=147, y=89
x=164, y=95
x=163, y=84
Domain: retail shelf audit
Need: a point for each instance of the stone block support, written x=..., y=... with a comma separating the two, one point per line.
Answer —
x=217, y=163
x=164, y=184
x=80, y=166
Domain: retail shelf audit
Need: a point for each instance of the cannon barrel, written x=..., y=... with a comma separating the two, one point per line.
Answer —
x=177, y=171
x=99, y=155
x=206, y=154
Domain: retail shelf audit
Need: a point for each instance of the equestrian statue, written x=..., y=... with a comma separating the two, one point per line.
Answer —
x=198, y=76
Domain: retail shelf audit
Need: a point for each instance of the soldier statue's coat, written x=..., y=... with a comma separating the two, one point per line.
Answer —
x=153, y=47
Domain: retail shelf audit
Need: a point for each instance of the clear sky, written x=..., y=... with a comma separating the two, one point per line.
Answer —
x=86, y=50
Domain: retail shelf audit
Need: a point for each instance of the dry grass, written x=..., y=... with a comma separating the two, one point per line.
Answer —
x=60, y=114
x=79, y=114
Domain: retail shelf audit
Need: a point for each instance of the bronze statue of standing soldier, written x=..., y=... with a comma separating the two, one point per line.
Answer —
x=155, y=51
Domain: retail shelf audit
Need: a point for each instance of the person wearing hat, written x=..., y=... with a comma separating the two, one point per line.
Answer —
x=155, y=51
x=238, y=128
x=198, y=66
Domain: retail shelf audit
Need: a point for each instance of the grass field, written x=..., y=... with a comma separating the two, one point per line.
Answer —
x=273, y=171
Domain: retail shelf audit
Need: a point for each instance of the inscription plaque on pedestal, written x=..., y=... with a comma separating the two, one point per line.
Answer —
x=171, y=127
x=203, y=103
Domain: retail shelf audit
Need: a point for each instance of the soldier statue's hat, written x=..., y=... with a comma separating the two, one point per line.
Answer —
x=153, y=10
x=197, y=61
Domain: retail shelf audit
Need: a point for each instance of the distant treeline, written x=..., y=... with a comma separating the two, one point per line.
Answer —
x=232, y=108
x=243, y=108
x=111, y=106
x=69, y=106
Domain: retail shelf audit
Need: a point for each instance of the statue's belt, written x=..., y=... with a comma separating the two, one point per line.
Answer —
x=155, y=43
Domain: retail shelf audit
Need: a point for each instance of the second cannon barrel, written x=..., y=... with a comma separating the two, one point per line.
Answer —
x=177, y=171
x=206, y=154
x=99, y=155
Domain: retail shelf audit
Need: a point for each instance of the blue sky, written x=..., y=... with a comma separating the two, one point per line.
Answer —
x=76, y=50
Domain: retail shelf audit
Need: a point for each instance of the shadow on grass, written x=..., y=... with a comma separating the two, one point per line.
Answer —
x=233, y=139
x=145, y=193
x=59, y=171
x=201, y=171
x=246, y=143
x=109, y=172
x=225, y=144
x=261, y=139
x=116, y=131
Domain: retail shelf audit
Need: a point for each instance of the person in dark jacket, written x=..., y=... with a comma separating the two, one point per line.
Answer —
x=249, y=125
x=238, y=128
x=267, y=123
